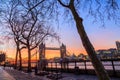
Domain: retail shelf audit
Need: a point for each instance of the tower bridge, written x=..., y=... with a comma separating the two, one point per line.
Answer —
x=42, y=50
x=42, y=62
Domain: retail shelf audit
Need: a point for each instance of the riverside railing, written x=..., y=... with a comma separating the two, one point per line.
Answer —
x=85, y=66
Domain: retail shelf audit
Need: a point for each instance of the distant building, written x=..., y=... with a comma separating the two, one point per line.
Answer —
x=118, y=46
x=106, y=53
x=2, y=56
x=81, y=56
x=73, y=57
x=87, y=57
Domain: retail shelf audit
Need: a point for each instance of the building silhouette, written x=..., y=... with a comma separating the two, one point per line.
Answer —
x=118, y=46
x=106, y=53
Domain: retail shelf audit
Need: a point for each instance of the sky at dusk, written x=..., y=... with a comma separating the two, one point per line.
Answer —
x=102, y=37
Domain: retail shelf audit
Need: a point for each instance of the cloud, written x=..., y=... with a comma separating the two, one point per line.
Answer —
x=4, y=39
x=1, y=42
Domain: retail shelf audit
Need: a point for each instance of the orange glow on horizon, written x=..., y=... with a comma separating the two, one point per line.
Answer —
x=49, y=53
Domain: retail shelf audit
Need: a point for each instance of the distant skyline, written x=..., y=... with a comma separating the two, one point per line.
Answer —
x=102, y=37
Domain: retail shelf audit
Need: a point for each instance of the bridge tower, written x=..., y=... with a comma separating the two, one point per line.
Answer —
x=41, y=51
x=63, y=51
x=42, y=61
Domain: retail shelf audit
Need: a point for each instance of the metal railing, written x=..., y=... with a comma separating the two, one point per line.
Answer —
x=112, y=66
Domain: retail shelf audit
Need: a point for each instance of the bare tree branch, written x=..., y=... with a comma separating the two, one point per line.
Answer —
x=67, y=6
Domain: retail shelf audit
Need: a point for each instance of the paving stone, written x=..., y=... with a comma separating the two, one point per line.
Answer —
x=19, y=75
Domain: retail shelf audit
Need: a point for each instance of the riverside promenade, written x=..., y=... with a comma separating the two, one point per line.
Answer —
x=4, y=75
x=11, y=74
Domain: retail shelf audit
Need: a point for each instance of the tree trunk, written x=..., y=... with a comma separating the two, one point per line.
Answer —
x=20, y=57
x=99, y=68
x=16, y=58
x=29, y=59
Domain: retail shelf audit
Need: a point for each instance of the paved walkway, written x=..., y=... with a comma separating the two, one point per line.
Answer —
x=4, y=75
x=19, y=75
x=69, y=76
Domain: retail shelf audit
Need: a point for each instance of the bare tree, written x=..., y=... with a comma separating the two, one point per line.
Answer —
x=99, y=68
x=12, y=23
x=71, y=5
x=74, y=6
x=110, y=8
x=33, y=34
x=28, y=29
x=32, y=30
